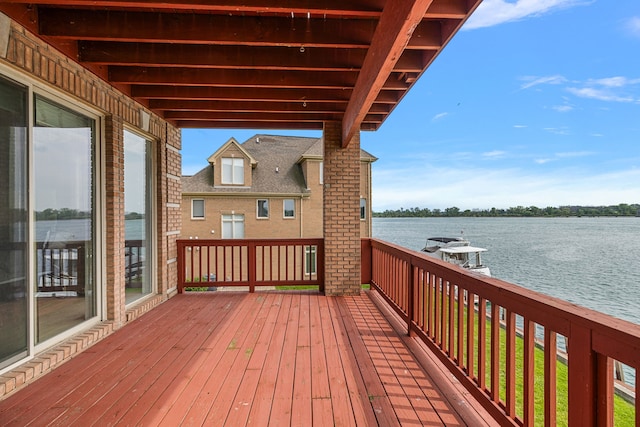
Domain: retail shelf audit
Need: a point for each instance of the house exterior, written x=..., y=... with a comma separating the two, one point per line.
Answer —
x=266, y=187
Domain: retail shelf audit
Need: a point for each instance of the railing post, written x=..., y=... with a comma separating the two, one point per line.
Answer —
x=410, y=298
x=181, y=272
x=582, y=376
x=251, y=252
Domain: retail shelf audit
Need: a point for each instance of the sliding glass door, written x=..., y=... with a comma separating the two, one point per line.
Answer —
x=13, y=223
x=64, y=214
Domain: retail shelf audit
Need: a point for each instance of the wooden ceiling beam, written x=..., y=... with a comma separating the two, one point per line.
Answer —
x=299, y=8
x=261, y=116
x=234, y=57
x=247, y=57
x=242, y=93
x=253, y=106
x=239, y=106
x=205, y=29
x=249, y=116
x=395, y=29
x=241, y=78
x=190, y=124
x=439, y=9
x=253, y=94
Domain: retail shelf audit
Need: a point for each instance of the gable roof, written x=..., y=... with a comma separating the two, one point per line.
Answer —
x=232, y=141
x=278, y=169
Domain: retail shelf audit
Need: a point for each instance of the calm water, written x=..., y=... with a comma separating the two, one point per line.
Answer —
x=592, y=262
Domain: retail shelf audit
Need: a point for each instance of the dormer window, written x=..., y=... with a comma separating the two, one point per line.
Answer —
x=233, y=171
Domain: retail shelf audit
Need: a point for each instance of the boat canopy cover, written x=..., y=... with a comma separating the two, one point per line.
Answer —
x=446, y=239
x=462, y=250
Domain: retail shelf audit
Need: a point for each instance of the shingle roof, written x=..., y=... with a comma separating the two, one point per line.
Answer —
x=278, y=170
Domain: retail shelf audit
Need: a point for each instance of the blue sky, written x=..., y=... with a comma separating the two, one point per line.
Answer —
x=533, y=103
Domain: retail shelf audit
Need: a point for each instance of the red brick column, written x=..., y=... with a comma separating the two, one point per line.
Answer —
x=114, y=219
x=341, y=212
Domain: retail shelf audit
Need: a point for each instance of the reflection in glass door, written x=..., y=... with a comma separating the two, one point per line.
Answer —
x=13, y=223
x=64, y=195
x=138, y=216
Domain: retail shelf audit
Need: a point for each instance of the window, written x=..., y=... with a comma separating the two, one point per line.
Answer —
x=263, y=208
x=232, y=171
x=310, y=260
x=233, y=226
x=197, y=209
x=138, y=207
x=321, y=173
x=289, y=208
x=363, y=208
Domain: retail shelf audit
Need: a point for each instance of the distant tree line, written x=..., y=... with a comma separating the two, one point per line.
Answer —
x=622, y=209
x=66, y=213
x=60, y=214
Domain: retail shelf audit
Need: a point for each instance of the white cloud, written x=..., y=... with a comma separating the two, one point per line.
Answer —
x=439, y=116
x=495, y=154
x=543, y=161
x=633, y=26
x=520, y=126
x=495, y=12
x=531, y=81
x=558, y=131
x=562, y=108
x=599, y=94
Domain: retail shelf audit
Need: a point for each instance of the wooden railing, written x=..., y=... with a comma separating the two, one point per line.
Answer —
x=240, y=262
x=60, y=267
x=491, y=335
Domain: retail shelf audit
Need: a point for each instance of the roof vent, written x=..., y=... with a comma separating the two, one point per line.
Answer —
x=258, y=140
x=277, y=169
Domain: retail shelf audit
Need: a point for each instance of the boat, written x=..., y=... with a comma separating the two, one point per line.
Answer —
x=457, y=251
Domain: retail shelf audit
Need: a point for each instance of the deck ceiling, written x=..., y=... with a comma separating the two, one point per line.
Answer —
x=287, y=64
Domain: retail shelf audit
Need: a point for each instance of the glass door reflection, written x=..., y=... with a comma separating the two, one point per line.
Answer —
x=64, y=190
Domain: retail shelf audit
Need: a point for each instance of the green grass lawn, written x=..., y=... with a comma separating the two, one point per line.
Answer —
x=624, y=412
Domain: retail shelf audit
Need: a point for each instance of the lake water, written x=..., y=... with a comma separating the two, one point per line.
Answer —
x=592, y=262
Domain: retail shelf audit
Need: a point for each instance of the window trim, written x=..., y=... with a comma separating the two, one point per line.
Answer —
x=235, y=180
x=363, y=209
x=198, y=218
x=258, y=208
x=284, y=209
x=235, y=217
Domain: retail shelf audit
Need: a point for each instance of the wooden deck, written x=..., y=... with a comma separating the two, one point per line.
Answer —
x=230, y=358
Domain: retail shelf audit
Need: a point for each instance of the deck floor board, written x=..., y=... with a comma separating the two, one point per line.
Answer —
x=239, y=359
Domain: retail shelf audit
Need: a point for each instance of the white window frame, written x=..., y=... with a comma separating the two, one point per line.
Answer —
x=363, y=208
x=237, y=170
x=321, y=173
x=310, y=268
x=284, y=209
x=233, y=219
x=203, y=209
x=266, y=204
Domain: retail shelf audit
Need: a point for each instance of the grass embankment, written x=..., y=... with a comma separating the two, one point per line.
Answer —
x=624, y=412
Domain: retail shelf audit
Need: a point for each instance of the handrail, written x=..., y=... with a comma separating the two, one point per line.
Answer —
x=250, y=262
x=467, y=320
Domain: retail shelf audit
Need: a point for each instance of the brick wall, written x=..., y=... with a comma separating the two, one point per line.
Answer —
x=37, y=63
x=341, y=212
